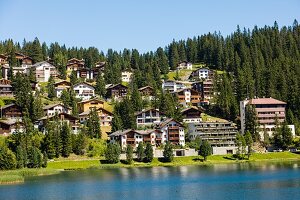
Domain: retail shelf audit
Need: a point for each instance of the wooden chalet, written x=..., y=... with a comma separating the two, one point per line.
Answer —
x=192, y=114
x=3, y=59
x=10, y=126
x=146, y=91
x=87, y=105
x=11, y=111
x=60, y=86
x=116, y=91
x=75, y=64
x=5, y=87
x=23, y=59
x=188, y=96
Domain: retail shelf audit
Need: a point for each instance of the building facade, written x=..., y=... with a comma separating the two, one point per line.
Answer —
x=43, y=70
x=84, y=90
x=148, y=117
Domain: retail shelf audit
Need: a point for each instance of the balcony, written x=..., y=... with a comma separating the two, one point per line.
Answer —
x=174, y=138
x=130, y=140
x=173, y=127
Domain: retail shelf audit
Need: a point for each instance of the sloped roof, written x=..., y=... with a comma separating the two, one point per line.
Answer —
x=270, y=100
x=119, y=84
x=84, y=83
x=40, y=63
x=137, y=113
x=193, y=108
x=65, y=114
x=89, y=100
x=167, y=121
x=142, y=88
x=88, y=111
x=63, y=81
x=53, y=105
x=7, y=106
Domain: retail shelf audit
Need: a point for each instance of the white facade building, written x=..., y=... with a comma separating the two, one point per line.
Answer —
x=172, y=86
x=43, y=70
x=84, y=91
x=51, y=110
x=126, y=76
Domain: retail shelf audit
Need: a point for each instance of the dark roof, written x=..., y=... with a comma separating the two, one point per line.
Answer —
x=7, y=106
x=63, y=81
x=192, y=108
x=168, y=120
x=88, y=100
x=65, y=114
x=85, y=84
x=53, y=105
x=142, y=88
x=119, y=84
x=88, y=111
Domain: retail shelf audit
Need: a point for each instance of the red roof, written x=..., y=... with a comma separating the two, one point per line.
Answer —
x=265, y=101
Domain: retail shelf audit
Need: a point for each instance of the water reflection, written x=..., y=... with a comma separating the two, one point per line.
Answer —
x=223, y=181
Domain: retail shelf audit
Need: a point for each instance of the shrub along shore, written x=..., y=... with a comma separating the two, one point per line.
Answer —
x=58, y=165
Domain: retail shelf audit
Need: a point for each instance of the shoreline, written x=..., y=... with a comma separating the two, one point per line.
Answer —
x=18, y=176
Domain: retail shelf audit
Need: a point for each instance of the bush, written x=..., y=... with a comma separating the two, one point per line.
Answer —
x=7, y=159
x=205, y=149
x=96, y=147
x=112, y=153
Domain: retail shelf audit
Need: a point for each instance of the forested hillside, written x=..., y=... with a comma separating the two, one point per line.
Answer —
x=263, y=61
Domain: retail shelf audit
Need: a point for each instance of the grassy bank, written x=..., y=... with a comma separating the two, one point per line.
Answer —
x=18, y=175
x=178, y=161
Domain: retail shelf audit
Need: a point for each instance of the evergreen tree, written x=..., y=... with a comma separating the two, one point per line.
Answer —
x=36, y=107
x=112, y=153
x=129, y=154
x=148, y=153
x=73, y=78
x=168, y=152
x=100, y=86
x=7, y=159
x=34, y=158
x=22, y=91
x=251, y=123
x=116, y=122
x=66, y=145
x=249, y=143
x=287, y=137
x=136, y=99
x=37, y=52
x=205, y=149
x=65, y=98
x=140, y=152
x=93, y=125
x=80, y=143
x=21, y=157
x=51, y=87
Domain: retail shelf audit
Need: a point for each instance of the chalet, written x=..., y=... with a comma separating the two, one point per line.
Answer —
x=85, y=73
x=100, y=65
x=3, y=60
x=184, y=65
x=74, y=64
x=23, y=65
x=105, y=116
x=148, y=117
x=188, y=96
x=84, y=90
x=172, y=131
x=126, y=76
x=72, y=121
x=52, y=109
x=117, y=91
x=11, y=111
x=172, y=86
x=147, y=92
x=86, y=105
x=5, y=87
x=134, y=137
x=60, y=86
x=191, y=115
x=34, y=85
x=202, y=74
x=43, y=70
x=10, y=126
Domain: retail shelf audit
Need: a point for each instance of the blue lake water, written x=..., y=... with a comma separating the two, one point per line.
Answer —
x=230, y=181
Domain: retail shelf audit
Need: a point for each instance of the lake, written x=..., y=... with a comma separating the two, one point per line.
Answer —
x=222, y=181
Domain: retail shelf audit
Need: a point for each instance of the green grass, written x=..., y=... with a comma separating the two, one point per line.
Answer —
x=73, y=164
x=178, y=161
x=18, y=175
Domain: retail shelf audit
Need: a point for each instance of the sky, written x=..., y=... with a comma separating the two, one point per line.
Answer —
x=141, y=24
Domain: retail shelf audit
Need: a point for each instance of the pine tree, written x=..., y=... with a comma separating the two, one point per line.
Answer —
x=205, y=149
x=66, y=145
x=140, y=152
x=112, y=153
x=129, y=154
x=100, y=86
x=168, y=152
x=36, y=51
x=22, y=91
x=136, y=99
x=93, y=125
x=116, y=122
x=148, y=153
x=51, y=87
x=73, y=78
x=249, y=143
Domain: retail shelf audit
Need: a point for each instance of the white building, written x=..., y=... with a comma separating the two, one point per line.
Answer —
x=43, y=70
x=148, y=117
x=51, y=110
x=84, y=90
x=60, y=86
x=202, y=74
x=172, y=131
x=172, y=86
x=126, y=76
x=185, y=65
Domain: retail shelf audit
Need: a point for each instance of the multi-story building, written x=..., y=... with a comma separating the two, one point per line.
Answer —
x=147, y=92
x=116, y=92
x=10, y=126
x=43, y=70
x=89, y=104
x=191, y=115
x=53, y=109
x=148, y=117
x=168, y=130
x=184, y=65
x=60, y=86
x=84, y=90
x=221, y=135
x=11, y=111
x=268, y=110
x=126, y=76
x=74, y=64
x=208, y=89
x=188, y=96
x=5, y=87
x=172, y=86
x=202, y=74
